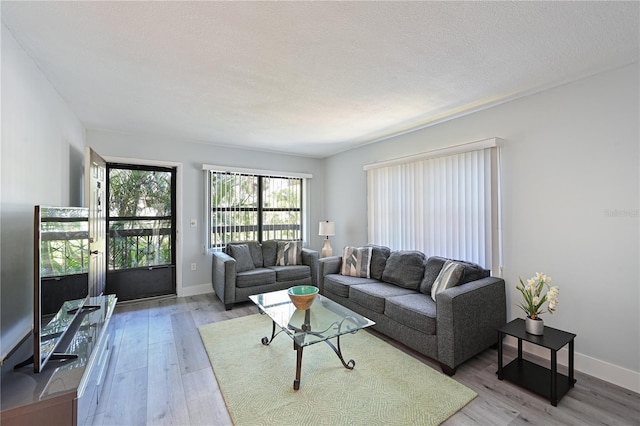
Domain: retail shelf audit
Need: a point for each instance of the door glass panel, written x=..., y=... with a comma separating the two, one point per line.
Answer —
x=138, y=243
x=140, y=218
x=139, y=193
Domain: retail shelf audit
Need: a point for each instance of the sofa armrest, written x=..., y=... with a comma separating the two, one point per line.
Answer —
x=326, y=266
x=310, y=258
x=223, y=277
x=468, y=317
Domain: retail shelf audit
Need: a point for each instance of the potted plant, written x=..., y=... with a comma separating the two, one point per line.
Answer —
x=534, y=299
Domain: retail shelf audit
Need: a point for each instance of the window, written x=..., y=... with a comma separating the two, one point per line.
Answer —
x=253, y=207
x=443, y=203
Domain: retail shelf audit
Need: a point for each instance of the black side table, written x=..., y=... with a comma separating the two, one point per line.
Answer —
x=531, y=376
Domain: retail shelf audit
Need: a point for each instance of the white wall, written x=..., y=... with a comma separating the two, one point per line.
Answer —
x=42, y=163
x=570, y=206
x=192, y=156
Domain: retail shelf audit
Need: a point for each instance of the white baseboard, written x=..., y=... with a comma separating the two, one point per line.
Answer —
x=603, y=370
x=195, y=290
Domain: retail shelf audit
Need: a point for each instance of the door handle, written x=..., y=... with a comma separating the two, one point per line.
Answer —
x=94, y=252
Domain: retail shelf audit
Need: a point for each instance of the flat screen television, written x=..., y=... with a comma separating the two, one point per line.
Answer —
x=61, y=265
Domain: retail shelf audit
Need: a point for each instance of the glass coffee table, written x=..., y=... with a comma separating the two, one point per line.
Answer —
x=323, y=321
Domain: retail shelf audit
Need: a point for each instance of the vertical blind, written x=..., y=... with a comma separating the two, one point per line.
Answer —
x=443, y=206
x=245, y=207
x=234, y=207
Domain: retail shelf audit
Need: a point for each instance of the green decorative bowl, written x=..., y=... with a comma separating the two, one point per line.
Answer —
x=302, y=296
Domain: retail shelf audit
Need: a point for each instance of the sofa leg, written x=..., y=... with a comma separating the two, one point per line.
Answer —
x=228, y=306
x=447, y=370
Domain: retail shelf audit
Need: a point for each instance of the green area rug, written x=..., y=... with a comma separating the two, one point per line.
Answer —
x=386, y=387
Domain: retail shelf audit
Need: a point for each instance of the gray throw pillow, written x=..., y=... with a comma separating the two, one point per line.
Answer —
x=242, y=255
x=404, y=268
x=448, y=277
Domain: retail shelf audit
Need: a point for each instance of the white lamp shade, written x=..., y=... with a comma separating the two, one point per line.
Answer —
x=327, y=228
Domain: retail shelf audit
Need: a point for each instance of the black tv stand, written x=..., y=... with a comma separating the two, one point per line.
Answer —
x=82, y=309
x=24, y=363
x=56, y=356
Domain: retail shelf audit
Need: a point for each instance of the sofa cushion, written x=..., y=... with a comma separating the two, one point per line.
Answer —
x=416, y=310
x=472, y=272
x=255, y=248
x=269, y=251
x=373, y=295
x=431, y=270
x=289, y=253
x=291, y=272
x=356, y=261
x=448, y=277
x=254, y=277
x=242, y=255
x=339, y=284
x=379, y=256
x=404, y=268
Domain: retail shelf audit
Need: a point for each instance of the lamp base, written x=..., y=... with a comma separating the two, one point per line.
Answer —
x=326, y=249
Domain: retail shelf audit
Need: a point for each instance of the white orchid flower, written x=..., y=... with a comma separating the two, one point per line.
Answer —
x=533, y=293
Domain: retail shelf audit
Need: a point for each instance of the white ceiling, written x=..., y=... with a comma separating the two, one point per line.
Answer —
x=310, y=78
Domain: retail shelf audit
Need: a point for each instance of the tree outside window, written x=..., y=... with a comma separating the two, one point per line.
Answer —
x=140, y=217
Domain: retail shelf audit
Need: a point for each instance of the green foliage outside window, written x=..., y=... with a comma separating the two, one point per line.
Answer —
x=64, y=248
x=140, y=233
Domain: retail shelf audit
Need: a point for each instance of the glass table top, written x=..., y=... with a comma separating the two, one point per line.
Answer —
x=325, y=319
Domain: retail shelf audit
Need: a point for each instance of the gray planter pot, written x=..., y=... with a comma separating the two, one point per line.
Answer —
x=534, y=326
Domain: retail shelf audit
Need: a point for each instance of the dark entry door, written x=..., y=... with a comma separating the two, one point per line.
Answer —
x=141, y=231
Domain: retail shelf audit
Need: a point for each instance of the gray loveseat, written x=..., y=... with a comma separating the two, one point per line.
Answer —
x=459, y=324
x=249, y=267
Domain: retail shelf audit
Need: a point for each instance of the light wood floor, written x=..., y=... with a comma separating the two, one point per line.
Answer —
x=160, y=374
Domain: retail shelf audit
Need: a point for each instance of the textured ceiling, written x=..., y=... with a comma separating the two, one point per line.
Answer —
x=311, y=78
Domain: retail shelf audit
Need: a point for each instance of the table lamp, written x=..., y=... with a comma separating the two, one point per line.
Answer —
x=326, y=229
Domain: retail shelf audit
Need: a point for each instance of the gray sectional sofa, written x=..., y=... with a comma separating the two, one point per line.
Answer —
x=461, y=322
x=249, y=267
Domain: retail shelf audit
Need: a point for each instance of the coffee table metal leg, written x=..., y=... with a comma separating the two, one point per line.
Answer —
x=348, y=365
x=298, y=348
x=265, y=340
